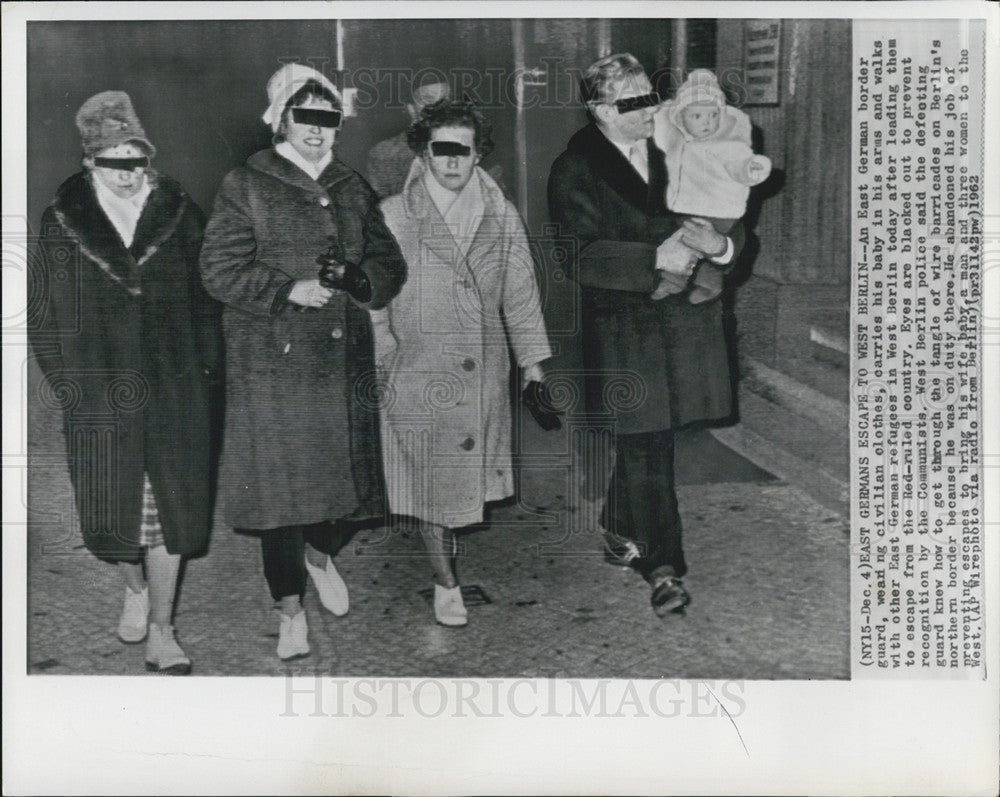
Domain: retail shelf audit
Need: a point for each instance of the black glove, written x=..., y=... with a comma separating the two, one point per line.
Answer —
x=336, y=274
x=539, y=403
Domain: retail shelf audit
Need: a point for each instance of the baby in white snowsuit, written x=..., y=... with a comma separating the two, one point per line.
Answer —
x=710, y=168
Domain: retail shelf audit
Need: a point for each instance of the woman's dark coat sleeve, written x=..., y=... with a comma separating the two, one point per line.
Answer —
x=50, y=297
x=229, y=266
x=381, y=260
x=206, y=311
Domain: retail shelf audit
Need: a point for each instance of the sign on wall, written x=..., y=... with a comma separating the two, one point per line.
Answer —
x=761, y=59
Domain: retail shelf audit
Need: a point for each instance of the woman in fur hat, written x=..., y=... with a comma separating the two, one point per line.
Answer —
x=130, y=347
x=301, y=448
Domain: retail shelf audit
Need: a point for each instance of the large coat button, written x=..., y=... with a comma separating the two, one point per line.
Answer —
x=324, y=201
x=336, y=333
x=467, y=444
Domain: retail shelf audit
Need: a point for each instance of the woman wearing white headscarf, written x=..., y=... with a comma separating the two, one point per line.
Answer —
x=301, y=447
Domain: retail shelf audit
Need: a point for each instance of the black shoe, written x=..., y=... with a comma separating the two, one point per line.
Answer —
x=669, y=596
x=619, y=551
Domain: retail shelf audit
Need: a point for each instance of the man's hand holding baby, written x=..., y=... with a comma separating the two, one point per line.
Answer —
x=699, y=234
x=675, y=261
x=676, y=256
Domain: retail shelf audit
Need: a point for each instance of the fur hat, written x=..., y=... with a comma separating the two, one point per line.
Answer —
x=284, y=83
x=701, y=86
x=107, y=120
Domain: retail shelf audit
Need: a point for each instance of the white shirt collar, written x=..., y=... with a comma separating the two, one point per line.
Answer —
x=626, y=149
x=314, y=170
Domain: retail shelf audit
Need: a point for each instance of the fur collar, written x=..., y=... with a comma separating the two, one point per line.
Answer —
x=78, y=211
x=271, y=163
x=608, y=163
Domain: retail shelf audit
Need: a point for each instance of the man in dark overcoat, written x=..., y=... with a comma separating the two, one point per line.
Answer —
x=652, y=365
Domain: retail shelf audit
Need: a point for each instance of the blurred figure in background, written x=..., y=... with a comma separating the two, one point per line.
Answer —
x=389, y=160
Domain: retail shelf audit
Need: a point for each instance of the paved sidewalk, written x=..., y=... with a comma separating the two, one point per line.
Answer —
x=768, y=578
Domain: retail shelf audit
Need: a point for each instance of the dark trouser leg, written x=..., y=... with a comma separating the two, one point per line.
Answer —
x=284, y=562
x=327, y=537
x=642, y=504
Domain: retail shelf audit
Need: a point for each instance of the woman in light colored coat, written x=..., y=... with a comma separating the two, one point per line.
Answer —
x=443, y=340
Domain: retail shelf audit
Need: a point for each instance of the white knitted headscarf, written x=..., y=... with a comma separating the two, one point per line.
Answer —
x=284, y=83
x=701, y=86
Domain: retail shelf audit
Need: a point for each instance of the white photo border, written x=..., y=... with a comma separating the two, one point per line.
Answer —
x=228, y=735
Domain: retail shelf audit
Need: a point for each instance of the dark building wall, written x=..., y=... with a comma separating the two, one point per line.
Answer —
x=799, y=281
x=804, y=226
x=198, y=88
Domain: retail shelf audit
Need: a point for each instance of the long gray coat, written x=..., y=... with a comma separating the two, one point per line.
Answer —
x=652, y=365
x=129, y=342
x=447, y=432
x=301, y=440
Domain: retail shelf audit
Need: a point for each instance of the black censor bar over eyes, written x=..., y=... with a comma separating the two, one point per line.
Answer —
x=125, y=164
x=447, y=149
x=316, y=117
x=635, y=103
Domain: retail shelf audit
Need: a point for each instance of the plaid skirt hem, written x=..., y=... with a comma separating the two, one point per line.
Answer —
x=150, y=531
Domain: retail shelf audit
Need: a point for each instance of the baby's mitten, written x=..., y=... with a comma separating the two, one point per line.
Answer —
x=756, y=169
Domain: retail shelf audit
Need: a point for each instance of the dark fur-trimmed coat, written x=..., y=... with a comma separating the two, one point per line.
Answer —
x=301, y=441
x=653, y=365
x=129, y=343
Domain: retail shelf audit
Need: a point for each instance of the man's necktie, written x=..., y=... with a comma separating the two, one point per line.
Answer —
x=638, y=157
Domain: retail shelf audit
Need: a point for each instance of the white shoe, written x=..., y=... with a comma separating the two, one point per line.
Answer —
x=449, y=609
x=330, y=586
x=293, y=637
x=132, y=624
x=163, y=654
